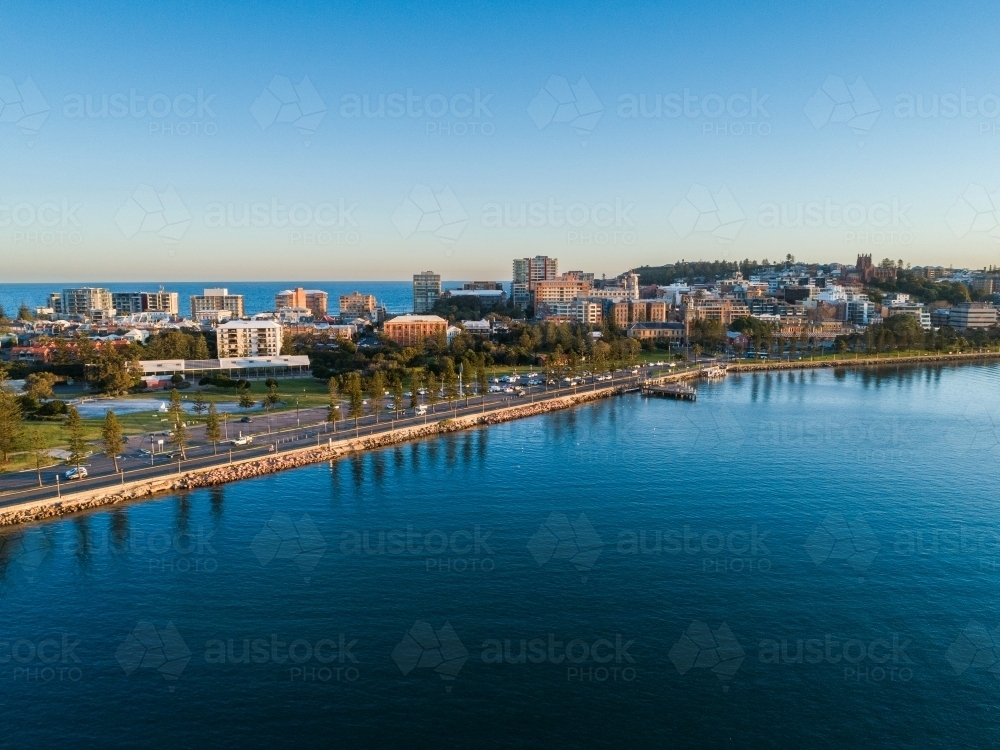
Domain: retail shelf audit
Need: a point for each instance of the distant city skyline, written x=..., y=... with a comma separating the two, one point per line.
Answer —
x=352, y=143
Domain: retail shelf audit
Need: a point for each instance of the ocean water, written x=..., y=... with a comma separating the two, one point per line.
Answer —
x=795, y=560
x=397, y=296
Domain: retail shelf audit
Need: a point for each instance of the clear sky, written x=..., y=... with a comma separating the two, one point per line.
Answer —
x=192, y=140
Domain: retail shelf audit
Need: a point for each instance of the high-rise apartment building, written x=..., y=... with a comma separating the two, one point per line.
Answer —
x=313, y=300
x=217, y=298
x=132, y=303
x=527, y=273
x=248, y=338
x=426, y=291
x=87, y=301
x=357, y=305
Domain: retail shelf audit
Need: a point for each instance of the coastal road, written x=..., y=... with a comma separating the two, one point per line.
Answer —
x=277, y=432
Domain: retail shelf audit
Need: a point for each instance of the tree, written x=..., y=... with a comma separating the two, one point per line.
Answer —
x=332, y=412
x=86, y=352
x=3, y=314
x=200, y=407
x=112, y=438
x=432, y=391
x=481, y=381
x=377, y=388
x=39, y=384
x=112, y=373
x=176, y=410
x=10, y=424
x=450, y=379
x=397, y=393
x=246, y=399
x=36, y=442
x=213, y=428
x=416, y=383
x=273, y=398
x=180, y=438
x=24, y=313
x=356, y=398
x=77, y=444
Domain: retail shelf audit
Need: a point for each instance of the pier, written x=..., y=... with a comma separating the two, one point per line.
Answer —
x=679, y=391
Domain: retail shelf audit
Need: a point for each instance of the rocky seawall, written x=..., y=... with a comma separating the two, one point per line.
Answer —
x=884, y=361
x=255, y=467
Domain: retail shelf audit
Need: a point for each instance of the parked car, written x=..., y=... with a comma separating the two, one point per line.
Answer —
x=76, y=473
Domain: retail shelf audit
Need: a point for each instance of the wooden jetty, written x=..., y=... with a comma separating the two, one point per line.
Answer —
x=680, y=391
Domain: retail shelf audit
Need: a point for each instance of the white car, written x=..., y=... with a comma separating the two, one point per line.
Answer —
x=243, y=440
x=495, y=389
x=76, y=473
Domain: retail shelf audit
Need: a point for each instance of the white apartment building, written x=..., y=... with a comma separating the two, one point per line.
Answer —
x=217, y=299
x=248, y=338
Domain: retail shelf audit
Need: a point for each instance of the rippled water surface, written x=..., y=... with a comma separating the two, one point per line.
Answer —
x=806, y=559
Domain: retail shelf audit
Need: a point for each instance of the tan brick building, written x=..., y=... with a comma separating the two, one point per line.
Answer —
x=413, y=330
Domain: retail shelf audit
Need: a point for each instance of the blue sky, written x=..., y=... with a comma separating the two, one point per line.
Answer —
x=829, y=163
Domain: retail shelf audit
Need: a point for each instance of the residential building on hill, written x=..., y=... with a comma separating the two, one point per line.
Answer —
x=217, y=298
x=248, y=338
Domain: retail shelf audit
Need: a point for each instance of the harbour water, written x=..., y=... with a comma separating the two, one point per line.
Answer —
x=796, y=559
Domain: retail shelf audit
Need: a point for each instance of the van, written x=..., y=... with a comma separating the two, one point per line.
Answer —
x=420, y=410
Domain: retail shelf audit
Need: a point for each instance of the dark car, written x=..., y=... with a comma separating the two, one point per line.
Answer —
x=246, y=420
